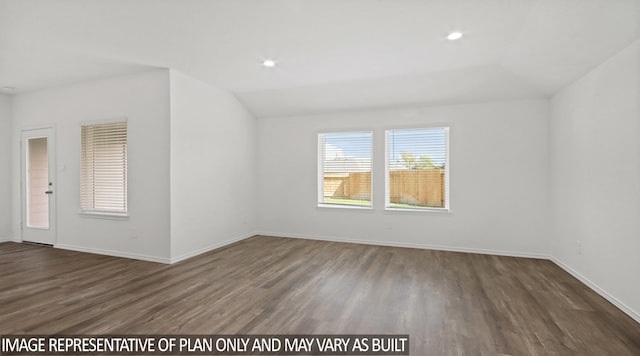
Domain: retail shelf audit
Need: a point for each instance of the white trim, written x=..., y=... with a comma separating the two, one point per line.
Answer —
x=99, y=251
x=321, y=159
x=103, y=215
x=420, y=210
x=26, y=133
x=344, y=206
x=613, y=300
x=447, y=179
x=10, y=239
x=407, y=245
x=209, y=248
x=320, y=172
x=447, y=169
x=154, y=258
x=118, y=215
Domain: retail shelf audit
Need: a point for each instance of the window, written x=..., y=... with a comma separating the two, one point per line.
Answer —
x=344, y=168
x=417, y=166
x=103, y=181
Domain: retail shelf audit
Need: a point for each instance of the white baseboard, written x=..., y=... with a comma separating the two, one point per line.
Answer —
x=613, y=300
x=114, y=253
x=9, y=239
x=408, y=245
x=153, y=258
x=209, y=248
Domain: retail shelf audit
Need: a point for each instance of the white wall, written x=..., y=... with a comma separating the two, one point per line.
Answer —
x=213, y=168
x=5, y=168
x=595, y=175
x=143, y=99
x=498, y=170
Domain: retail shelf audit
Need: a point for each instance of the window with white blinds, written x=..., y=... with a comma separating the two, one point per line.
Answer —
x=103, y=186
x=344, y=166
x=417, y=166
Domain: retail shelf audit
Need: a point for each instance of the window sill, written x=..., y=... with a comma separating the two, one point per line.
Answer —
x=103, y=215
x=338, y=206
x=428, y=210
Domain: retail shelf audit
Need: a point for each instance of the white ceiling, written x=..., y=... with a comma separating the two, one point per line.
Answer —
x=331, y=54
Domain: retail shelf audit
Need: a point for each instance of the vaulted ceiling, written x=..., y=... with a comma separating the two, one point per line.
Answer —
x=330, y=54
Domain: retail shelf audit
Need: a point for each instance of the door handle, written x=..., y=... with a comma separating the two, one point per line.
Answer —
x=49, y=192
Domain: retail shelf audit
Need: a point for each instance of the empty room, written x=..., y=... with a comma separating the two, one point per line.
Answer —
x=320, y=177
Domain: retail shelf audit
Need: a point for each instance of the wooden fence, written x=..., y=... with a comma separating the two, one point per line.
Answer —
x=348, y=185
x=412, y=186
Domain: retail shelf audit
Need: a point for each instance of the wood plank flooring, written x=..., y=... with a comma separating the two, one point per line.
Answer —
x=449, y=303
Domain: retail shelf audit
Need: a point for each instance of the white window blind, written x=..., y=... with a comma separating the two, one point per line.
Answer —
x=103, y=186
x=344, y=168
x=417, y=168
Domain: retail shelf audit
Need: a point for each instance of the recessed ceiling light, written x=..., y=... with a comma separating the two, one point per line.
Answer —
x=454, y=36
x=269, y=63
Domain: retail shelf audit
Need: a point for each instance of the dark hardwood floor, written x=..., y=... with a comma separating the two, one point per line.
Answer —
x=449, y=303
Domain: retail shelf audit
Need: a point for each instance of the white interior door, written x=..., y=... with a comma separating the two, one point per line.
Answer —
x=38, y=186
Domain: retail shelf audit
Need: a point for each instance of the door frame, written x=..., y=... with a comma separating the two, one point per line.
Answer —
x=49, y=131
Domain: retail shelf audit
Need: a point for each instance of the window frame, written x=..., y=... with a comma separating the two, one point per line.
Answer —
x=447, y=170
x=320, y=172
x=97, y=213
